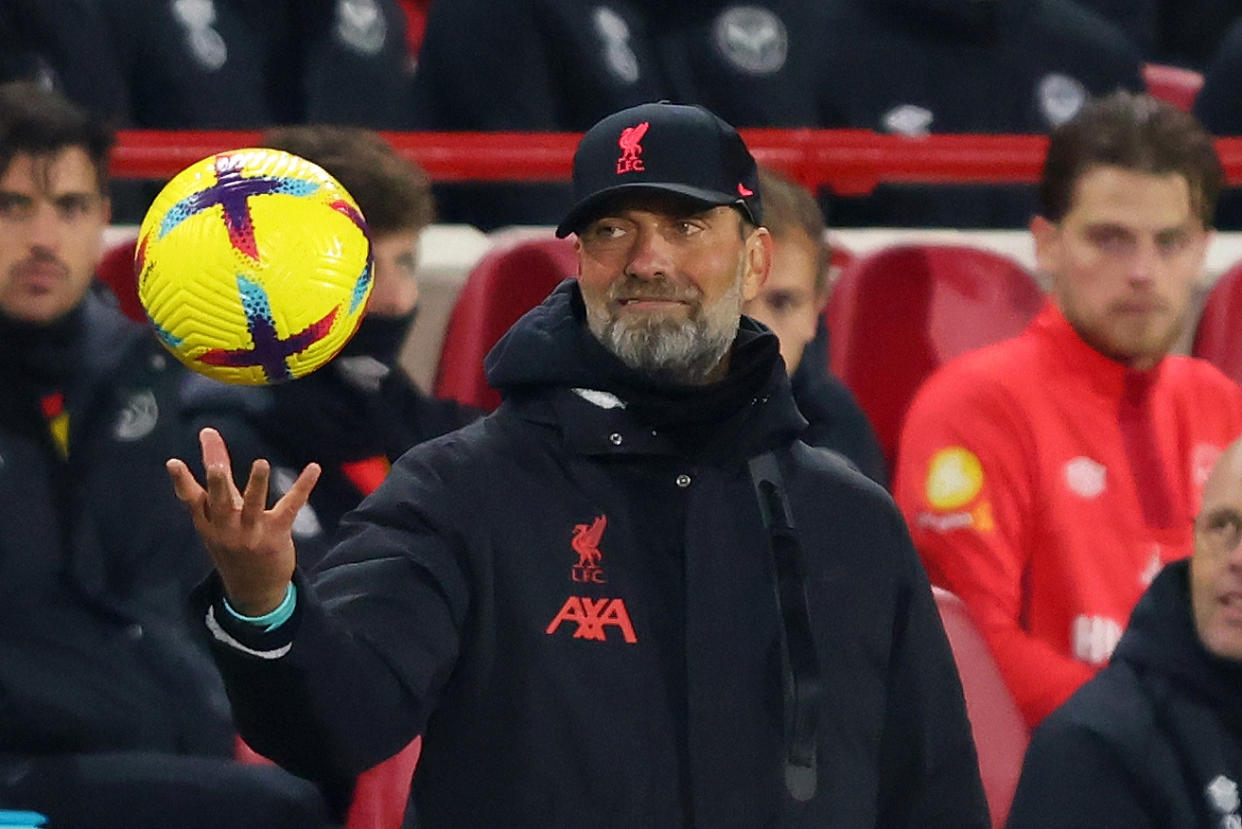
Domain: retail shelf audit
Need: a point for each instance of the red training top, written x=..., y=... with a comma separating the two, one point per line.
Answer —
x=1046, y=484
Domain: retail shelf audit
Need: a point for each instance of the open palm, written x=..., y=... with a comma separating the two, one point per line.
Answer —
x=250, y=544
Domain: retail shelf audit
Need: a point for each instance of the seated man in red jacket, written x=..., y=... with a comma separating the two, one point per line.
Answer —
x=1048, y=478
x=1156, y=738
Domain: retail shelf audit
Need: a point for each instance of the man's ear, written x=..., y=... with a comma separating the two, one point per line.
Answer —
x=758, y=262
x=1047, y=243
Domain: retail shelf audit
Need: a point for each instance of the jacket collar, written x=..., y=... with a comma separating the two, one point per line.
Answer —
x=1078, y=359
x=1161, y=638
x=550, y=369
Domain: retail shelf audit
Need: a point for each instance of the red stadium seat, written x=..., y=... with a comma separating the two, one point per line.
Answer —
x=381, y=793
x=1000, y=732
x=506, y=283
x=898, y=313
x=116, y=270
x=1218, y=335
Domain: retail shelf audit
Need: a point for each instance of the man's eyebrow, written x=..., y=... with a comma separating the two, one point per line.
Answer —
x=1221, y=511
x=1108, y=224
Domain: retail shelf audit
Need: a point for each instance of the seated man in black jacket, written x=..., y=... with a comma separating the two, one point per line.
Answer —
x=790, y=303
x=111, y=713
x=629, y=596
x=1155, y=740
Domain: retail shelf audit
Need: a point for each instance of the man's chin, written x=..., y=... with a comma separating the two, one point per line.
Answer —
x=652, y=313
x=36, y=310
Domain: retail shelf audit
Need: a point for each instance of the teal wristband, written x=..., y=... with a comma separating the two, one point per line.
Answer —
x=273, y=619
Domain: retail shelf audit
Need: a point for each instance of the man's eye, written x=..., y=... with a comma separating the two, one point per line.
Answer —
x=781, y=303
x=603, y=231
x=1172, y=242
x=1111, y=239
x=74, y=206
x=14, y=207
x=1225, y=530
x=688, y=228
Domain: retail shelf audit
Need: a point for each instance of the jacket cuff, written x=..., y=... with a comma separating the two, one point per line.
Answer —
x=265, y=637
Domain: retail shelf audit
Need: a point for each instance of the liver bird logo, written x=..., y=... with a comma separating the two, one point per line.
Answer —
x=586, y=539
x=630, y=143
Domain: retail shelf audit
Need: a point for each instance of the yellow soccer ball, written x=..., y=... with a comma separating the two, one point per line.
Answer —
x=254, y=266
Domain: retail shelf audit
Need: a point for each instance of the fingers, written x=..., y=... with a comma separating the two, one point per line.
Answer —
x=254, y=499
x=187, y=489
x=299, y=493
x=222, y=494
x=215, y=452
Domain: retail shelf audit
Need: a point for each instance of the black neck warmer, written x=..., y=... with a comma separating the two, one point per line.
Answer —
x=706, y=420
x=36, y=359
x=380, y=337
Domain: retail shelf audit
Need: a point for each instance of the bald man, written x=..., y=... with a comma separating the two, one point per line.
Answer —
x=1155, y=740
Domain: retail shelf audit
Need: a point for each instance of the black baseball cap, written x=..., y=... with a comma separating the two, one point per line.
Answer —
x=662, y=147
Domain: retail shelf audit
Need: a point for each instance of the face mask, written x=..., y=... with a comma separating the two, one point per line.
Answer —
x=380, y=337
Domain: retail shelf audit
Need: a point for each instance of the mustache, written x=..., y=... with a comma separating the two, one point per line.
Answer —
x=634, y=288
x=1149, y=303
x=37, y=261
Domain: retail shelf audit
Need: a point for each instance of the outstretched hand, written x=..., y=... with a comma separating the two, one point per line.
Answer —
x=250, y=545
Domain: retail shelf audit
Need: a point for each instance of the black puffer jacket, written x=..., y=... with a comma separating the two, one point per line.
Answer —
x=96, y=555
x=574, y=601
x=1155, y=740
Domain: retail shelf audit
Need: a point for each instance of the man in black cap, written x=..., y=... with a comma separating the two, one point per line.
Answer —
x=628, y=597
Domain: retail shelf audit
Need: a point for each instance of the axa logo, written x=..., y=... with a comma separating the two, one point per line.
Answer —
x=631, y=146
x=585, y=542
x=593, y=617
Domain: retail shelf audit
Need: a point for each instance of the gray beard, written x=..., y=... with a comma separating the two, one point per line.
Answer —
x=686, y=351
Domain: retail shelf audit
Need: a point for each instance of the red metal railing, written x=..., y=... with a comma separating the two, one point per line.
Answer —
x=851, y=162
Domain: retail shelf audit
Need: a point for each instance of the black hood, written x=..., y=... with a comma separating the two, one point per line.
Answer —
x=551, y=348
x=1161, y=638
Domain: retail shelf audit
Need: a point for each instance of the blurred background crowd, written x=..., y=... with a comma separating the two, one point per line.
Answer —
x=904, y=67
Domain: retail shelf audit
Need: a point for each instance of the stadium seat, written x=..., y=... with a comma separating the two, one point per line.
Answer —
x=116, y=271
x=381, y=793
x=506, y=283
x=1172, y=84
x=898, y=313
x=1218, y=334
x=1000, y=732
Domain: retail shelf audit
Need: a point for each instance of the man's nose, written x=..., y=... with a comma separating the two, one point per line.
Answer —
x=44, y=227
x=651, y=255
x=1145, y=263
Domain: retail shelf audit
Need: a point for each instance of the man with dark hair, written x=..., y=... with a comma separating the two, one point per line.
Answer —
x=1048, y=478
x=627, y=597
x=111, y=713
x=790, y=303
x=1155, y=740
x=359, y=413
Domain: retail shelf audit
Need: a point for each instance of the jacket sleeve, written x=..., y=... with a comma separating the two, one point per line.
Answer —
x=351, y=678
x=1071, y=779
x=965, y=484
x=931, y=773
